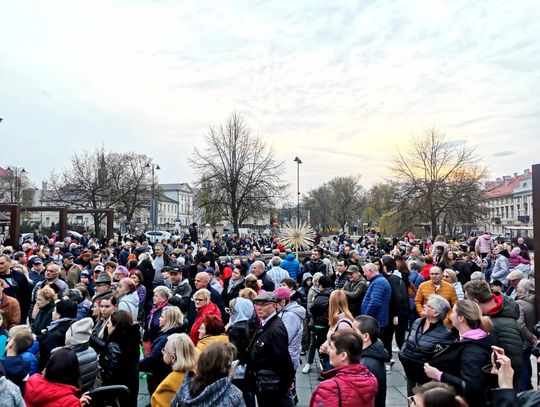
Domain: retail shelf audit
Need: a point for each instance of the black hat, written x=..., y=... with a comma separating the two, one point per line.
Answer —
x=103, y=278
x=68, y=255
x=175, y=270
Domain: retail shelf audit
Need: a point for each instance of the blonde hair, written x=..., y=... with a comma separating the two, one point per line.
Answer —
x=172, y=318
x=338, y=305
x=247, y=293
x=185, y=353
x=452, y=274
x=47, y=293
x=203, y=292
x=472, y=313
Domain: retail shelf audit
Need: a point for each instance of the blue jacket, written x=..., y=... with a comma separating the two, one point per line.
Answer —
x=377, y=300
x=292, y=265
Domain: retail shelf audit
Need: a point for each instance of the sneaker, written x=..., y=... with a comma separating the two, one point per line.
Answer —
x=303, y=353
x=307, y=368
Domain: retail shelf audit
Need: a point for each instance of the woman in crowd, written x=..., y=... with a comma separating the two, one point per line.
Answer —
x=106, y=305
x=43, y=310
x=233, y=285
x=160, y=300
x=450, y=276
x=240, y=327
x=526, y=321
x=119, y=353
x=59, y=385
x=399, y=304
x=170, y=322
x=349, y=383
x=425, y=337
x=255, y=284
x=435, y=394
x=211, y=385
x=181, y=355
x=501, y=267
x=428, y=260
x=212, y=330
x=461, y=363
x=138, y=279
x=447, y=260
x=203, y=306
x=128, y=300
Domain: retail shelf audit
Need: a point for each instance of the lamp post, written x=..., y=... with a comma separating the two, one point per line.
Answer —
x=153, y=203
x=15, y=183
x=298, y=162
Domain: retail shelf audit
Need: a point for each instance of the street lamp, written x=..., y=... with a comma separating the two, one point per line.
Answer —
x=15, y=183
x=153, y=203
x=298, y=161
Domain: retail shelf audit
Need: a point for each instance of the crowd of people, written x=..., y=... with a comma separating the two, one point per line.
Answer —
x=227, y=320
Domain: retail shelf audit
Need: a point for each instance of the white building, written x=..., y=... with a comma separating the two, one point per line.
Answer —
x=510, y=205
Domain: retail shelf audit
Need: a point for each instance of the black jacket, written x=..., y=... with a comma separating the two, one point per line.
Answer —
x=319, y=308
x=464, y=271
x=88, y=364
x=239, y=335
x=462, y=363
x=399, y=301
x=55, y=337
x=268, y=284
x=16, y=285
x=374, y=358
x=420, y=347
x=270, y=351
x=509, y=398
x=311, y=267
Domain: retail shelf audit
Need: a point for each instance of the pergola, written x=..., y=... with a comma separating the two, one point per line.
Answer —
x=15, y=218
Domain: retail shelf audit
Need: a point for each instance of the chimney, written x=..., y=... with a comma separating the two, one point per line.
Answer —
x=498, y=180
x=515, y=174
x=527, y=171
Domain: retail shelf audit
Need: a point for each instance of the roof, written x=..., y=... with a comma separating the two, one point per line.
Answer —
x=504, y=188
x=184, y=187
x=3, y=172
x=166, y=199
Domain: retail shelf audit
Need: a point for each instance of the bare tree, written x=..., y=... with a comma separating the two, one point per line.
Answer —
x=238, y=171
x=436, y=178
x=14, y=185
x=103, y=180
x=339, y=201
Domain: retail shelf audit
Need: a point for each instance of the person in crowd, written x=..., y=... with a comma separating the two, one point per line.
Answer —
x=59, y=385
x=398, y=312
x=291, y=265
x=181, y=355
x=292, y=314
x=160, y=300
x=354, y=289
x=180, y=289
x=128, y=299
x=9, y=307
x=78, y=340
x=240, y=327
x=233, y=285
x=70, y=272
x=376, y=302
x=37, y=271
x=63, y=316
x=202, y=281
x=11, y=394
x=525, y=296
x=416, y=257
x=435, y=285
x=86, y=304
x=3, y=336
x=514, y=277
x=138, y=279
x=461, y=363
x=339, y=317
x=17, y=286
x=251, y=281
x=503, y=313
x=276, y=273
x=52, y=273
x=319, y=312
x=462, y=268
x=427, y=335
x=435, y=394
x=269, y=363
x=15, y=367
x=258, y=269
x=450, y=276
x=119, y=353
x=374, y=355
x=501, y=268
x=170, y=322
x=349, y=383
x=211, y=384
x=204, y=306
x=77, y=297
x=211, y=330
x=428, y=263
x=484, y=245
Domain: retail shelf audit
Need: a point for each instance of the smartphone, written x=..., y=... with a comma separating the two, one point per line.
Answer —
x=494, y=360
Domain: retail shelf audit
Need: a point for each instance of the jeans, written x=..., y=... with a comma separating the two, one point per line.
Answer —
x=524, y=378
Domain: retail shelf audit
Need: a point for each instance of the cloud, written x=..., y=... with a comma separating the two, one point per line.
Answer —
x=503, y=153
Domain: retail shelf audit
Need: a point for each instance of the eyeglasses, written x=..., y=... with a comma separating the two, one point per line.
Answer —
x=199, y=299
x=411, y=401
x=164, y=352
x=427, y=306
x=445, y=276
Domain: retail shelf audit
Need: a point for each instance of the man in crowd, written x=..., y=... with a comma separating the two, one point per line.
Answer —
x=355, y=289
x=276, y=273
x=16, y=285
x=70, y=272
x=342, y=275
x=180, y=289
x=10, y=309
x=435, y=285
x=376, y=302
x=259, y=270
x=36, y=273
x=314, y=264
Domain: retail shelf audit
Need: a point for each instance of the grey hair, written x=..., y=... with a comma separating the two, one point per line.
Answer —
x=164, y=291
x=159, y=246
x=353, y=253
x=478, y=275
x=440, y=305
x=260, y=263
x=525, y=286
x=276, y=261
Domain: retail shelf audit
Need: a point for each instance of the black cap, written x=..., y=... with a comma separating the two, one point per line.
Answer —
x=68, y=256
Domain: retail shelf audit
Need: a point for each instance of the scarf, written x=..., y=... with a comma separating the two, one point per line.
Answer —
x=234, y=283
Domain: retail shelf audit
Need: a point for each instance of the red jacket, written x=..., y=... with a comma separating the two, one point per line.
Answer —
x=425, y=271
x=357, y=387
x=208, y=309
x=41, y=393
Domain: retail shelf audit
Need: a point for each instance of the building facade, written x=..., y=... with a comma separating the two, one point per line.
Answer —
x=510, y=205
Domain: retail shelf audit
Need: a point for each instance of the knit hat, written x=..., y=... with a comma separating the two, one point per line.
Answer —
x=79, y=332
x=210, y=271
x=282, y=293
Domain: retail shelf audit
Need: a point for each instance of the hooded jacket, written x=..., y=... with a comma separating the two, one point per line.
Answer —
x=374, y=357
x=240, y=331
x=16, y=369
x=347, y=386
x=292, y=265
x=484, y=244
x=501, y=268
x=130, y=303
x=293, y=315
x=42, y=393
x=220, y=393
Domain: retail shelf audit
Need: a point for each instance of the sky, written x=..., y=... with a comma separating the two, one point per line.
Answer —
x=343, y=85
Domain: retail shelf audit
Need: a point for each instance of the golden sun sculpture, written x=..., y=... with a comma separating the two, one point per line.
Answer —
x=298, y=236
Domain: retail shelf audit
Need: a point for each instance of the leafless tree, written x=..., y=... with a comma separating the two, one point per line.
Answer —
x=238, y=171
x=14, y=184
x=435, y=179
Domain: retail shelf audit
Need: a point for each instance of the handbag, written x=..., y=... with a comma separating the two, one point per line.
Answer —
x=266, y=381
